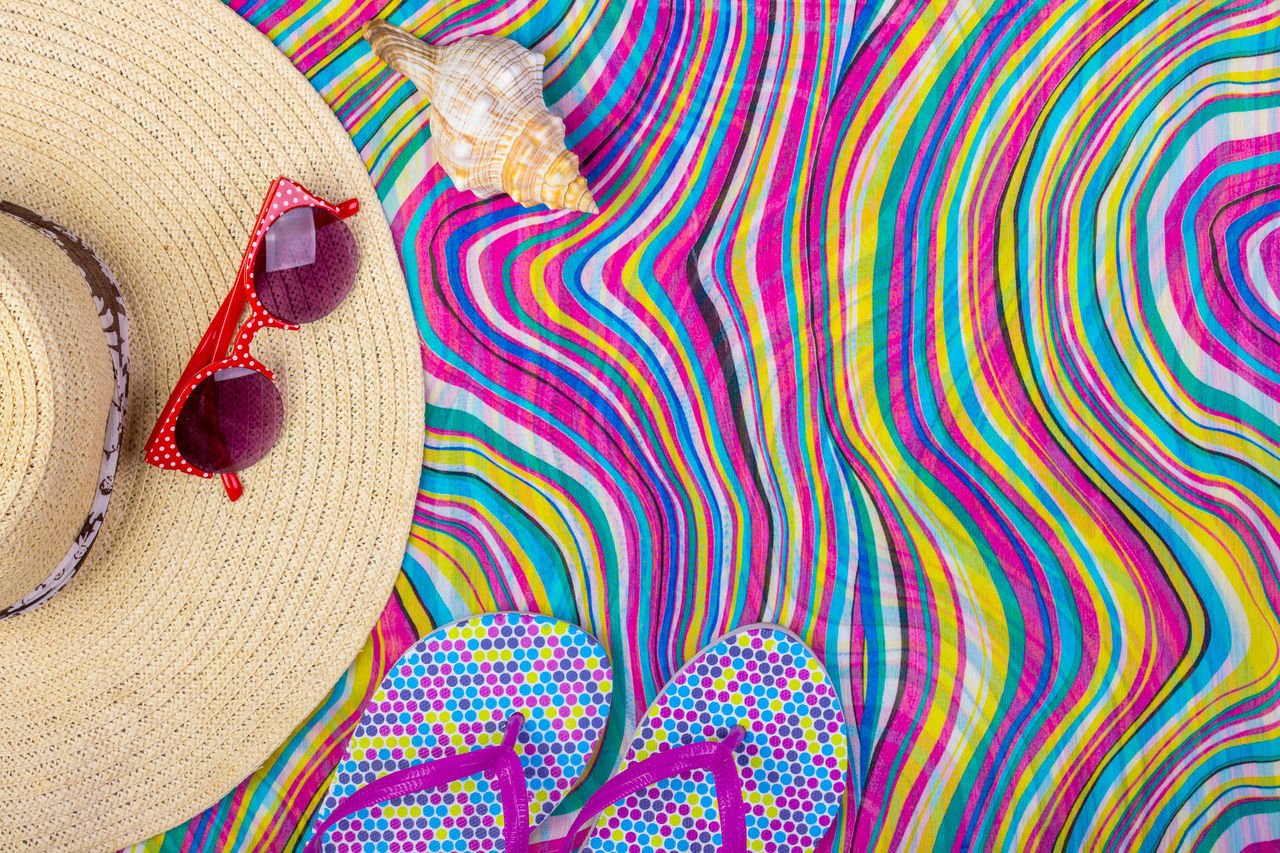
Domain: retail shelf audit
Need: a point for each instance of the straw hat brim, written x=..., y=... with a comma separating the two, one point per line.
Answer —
x=198, y=633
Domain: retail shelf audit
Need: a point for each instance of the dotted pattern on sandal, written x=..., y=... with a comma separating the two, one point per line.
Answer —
x=793, y=761
x=453, y=692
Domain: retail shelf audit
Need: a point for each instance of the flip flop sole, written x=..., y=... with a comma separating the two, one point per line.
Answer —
x=452, y=692
x=793, y=760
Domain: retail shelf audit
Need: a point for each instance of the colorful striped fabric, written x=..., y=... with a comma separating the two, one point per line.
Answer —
x=943, y=333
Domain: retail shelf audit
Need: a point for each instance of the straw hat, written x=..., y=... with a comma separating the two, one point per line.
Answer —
x=196, y=633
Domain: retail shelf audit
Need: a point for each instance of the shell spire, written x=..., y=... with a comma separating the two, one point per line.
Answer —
x=490, y=125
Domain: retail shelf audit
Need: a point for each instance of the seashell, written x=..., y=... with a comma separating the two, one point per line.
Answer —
x=490, y=127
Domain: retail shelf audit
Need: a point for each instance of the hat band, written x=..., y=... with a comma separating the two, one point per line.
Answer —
x=106, y=296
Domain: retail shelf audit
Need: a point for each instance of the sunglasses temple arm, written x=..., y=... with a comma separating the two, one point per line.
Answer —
x=206, y=351
x=231, y=483
x=348, y=208
x=217, y=337
x=227, y=320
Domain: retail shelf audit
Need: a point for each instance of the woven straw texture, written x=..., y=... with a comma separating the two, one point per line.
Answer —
x=198, y=632
x=54, y=392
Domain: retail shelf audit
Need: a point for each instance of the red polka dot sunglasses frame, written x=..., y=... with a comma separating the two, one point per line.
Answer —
x=225, y=412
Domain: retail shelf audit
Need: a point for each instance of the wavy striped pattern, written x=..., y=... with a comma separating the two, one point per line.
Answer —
x=945, y=334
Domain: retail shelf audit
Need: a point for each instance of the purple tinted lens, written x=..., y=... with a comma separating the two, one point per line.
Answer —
x=230, y=420
x=305, y=265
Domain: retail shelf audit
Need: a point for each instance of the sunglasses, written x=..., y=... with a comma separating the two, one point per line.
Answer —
x=225, y=412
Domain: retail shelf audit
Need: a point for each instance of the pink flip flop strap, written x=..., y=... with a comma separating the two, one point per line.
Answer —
x=715, y=757
x=499, y=762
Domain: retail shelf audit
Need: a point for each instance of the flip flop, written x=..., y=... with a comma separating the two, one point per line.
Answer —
x=473, y=738
x=745, y=749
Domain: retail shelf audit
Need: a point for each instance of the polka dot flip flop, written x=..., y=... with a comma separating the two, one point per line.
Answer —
x=745, y=749
x=473, y=738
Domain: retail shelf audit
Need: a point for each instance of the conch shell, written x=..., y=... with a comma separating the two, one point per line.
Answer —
x=491, y=129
